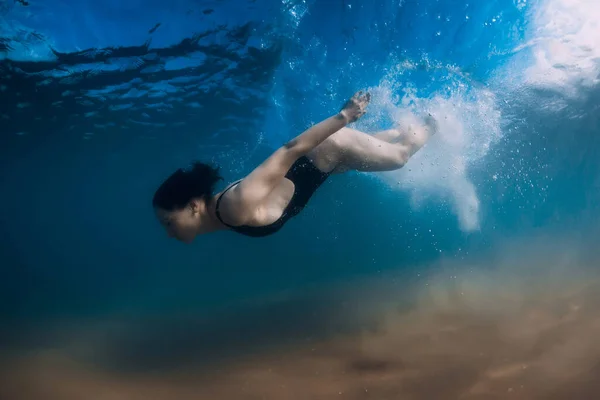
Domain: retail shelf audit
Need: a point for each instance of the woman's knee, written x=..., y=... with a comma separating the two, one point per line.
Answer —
x=327, y=155
x=337, y=145
x=401, y=156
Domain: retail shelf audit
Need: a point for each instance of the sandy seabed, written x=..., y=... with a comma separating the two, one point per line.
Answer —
x=525, y=324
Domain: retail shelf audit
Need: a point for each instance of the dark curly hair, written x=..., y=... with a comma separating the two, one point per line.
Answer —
x=197, y=181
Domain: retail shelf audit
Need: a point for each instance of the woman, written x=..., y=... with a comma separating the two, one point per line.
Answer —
x=278, y=189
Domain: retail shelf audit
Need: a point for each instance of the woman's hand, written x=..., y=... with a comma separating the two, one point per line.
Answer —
x=356, y=107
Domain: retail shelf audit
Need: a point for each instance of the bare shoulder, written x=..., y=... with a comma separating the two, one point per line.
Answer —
x=232, y=207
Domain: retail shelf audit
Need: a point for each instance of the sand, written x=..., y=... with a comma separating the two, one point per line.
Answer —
x=524, y=326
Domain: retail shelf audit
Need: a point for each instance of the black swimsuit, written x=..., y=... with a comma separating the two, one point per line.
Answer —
x=306, y=178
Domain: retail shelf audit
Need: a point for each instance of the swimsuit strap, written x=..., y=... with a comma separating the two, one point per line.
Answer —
x=219, y=201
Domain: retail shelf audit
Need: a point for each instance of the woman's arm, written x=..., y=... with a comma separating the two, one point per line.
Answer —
x=315, y=135
x=260, y=182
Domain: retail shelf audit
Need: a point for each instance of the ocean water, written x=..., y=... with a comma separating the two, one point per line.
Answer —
x=470, y=273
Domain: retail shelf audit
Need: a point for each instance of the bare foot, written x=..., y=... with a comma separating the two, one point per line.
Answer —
x=431, y=124
x=356, y=106
x=416, y=131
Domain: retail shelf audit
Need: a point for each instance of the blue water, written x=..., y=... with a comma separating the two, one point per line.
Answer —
x=102, y=100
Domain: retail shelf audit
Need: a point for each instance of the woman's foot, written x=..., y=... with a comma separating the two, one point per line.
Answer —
x=418, y=132
x=356, y=106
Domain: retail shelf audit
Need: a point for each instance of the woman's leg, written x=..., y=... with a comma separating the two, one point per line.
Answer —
x=349, y=149
x=390, y=135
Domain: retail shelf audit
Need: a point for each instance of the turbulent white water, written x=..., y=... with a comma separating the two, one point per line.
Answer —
x=564, y=46
x=469, y=123
x=561, y=56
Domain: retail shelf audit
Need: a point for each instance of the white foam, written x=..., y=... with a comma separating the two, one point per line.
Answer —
x=564, y=46
x=469, y=123
x=564, y=57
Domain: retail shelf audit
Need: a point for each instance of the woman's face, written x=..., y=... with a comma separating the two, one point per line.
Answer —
x=182, y=224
